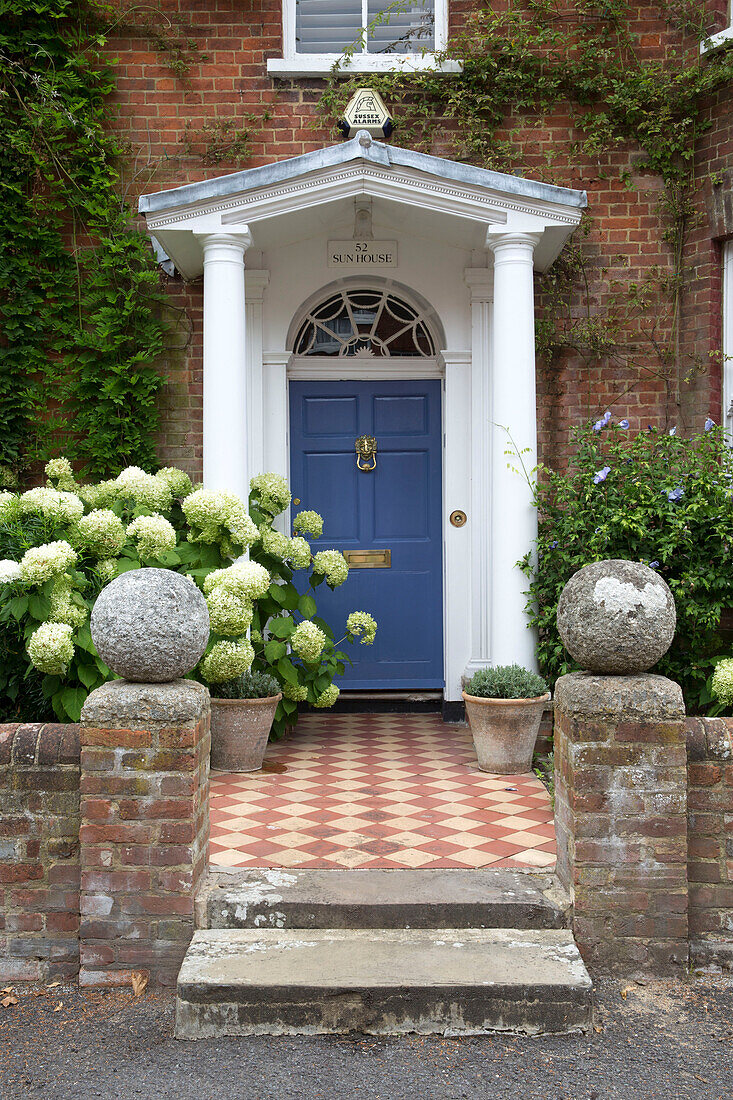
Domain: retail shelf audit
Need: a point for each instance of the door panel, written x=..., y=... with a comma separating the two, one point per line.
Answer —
x=396, y=507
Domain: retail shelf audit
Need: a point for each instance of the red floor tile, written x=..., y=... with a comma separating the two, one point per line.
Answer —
x=392, y=791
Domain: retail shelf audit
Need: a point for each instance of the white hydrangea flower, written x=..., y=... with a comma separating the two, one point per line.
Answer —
x=309, y=523
x=244, y=579
x=101, y=532
x=9, y=506
x=272, y=491
x=722, y=682
x=59, y=471
x=153, y=535
x=274, y=542
x=209, y=511
x=333, y=564
x=362, y=623
x=8, y=478
x=228, y=614
x=63, y=608
x=51, y=648
x=9, y=571
x=106, y=570
x=177, y=481
x=52, y=504
x=299, y=553
x=328, y=697
x=227, y=660
x=144, y=489
x=40, y=563
x=99, y=496
x=297, y=692
x=308, y=640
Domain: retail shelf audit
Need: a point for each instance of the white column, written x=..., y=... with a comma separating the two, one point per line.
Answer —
x=480, y=282
x=226, y=458
x=513, y=523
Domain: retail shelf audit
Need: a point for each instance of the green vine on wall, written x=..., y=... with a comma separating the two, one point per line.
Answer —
x=582, y=58
x=81, y=305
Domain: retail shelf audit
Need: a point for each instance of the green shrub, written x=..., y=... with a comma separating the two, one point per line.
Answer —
x=250, y=685
x=652, y=497
x=60, y=544
x=506, y=682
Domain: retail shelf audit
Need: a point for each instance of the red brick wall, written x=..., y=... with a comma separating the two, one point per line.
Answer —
x=710, y=840
x=171, y=125
x=39, y=851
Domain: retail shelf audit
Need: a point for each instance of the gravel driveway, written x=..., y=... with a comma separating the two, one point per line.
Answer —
x=666, y=1039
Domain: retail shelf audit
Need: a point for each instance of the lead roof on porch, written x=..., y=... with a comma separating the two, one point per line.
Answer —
x=358, y=149
x=435, y=198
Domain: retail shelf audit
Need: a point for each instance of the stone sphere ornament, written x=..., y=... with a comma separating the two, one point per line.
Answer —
x=616, y=617
x=150, y=625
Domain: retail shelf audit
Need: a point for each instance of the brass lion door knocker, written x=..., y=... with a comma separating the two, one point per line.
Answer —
x=366, y=452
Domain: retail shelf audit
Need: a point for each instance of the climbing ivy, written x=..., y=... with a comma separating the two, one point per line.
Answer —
x=81, y=306
x=586, y=59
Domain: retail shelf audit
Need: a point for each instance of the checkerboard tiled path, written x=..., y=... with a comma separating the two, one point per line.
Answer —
x=378, y=790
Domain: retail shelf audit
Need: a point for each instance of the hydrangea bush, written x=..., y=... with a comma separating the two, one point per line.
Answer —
x=62, y=542
x=653, y=497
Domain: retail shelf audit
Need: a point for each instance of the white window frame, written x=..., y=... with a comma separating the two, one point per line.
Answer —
x=294, y=64
x=728, y=337
x=722, y=38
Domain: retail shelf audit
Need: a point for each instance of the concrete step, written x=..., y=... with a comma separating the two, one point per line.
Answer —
x=382, y=899
x=382, y=982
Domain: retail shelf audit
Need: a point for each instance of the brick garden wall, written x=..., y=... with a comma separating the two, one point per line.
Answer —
x=710, y=840
x=39, y=851
x=180, y=130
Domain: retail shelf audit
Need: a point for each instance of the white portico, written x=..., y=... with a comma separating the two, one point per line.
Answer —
x=453, y=245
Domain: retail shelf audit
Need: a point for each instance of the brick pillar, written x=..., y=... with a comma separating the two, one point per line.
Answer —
x=621, y=818
x=144, y=827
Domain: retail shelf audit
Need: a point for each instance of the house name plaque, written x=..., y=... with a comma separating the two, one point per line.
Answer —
x=362, y=253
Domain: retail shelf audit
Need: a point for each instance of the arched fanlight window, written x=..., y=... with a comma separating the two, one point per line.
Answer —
x=364, y=323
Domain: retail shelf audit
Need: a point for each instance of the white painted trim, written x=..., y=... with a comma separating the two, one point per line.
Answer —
x=728, y=336
x=315, y=64
x=329, y=367
x=480, y=281
x=255, y=284
x=459, y=602
x=294, y=64
x=717, y=41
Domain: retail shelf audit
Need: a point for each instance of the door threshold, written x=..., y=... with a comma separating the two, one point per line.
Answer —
x=388, y=702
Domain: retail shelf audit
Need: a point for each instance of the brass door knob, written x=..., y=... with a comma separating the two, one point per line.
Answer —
x=458, y=518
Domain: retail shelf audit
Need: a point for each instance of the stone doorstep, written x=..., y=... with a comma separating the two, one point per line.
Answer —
x=382, y=982
x=376, y=898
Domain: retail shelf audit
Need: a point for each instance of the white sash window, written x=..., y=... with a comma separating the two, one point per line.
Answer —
x=365, y=35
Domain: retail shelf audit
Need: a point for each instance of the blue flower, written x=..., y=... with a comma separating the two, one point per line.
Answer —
x=623, y=423
x=598, y=426
x=709, y=424
x=675, y=495
x=606, y=418
x=554, y=544
x=654, y=565
x=601, y=475
x=673, y=431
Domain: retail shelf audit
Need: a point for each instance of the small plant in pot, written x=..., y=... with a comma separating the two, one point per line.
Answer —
x=504, y=708
x=242, y=712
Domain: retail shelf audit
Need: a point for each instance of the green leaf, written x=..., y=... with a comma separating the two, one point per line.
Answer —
x=287, y=670
x=281, y=627
x=307, y=606
x=274, y=650
x=19, y=607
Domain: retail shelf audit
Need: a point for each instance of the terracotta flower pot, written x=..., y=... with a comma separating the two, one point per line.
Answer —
x=239, y=732
x=505, y=731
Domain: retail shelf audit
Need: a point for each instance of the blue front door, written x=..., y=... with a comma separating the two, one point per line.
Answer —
x=396, y=508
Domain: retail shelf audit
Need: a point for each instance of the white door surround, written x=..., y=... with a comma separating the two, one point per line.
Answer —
x=468, y=242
